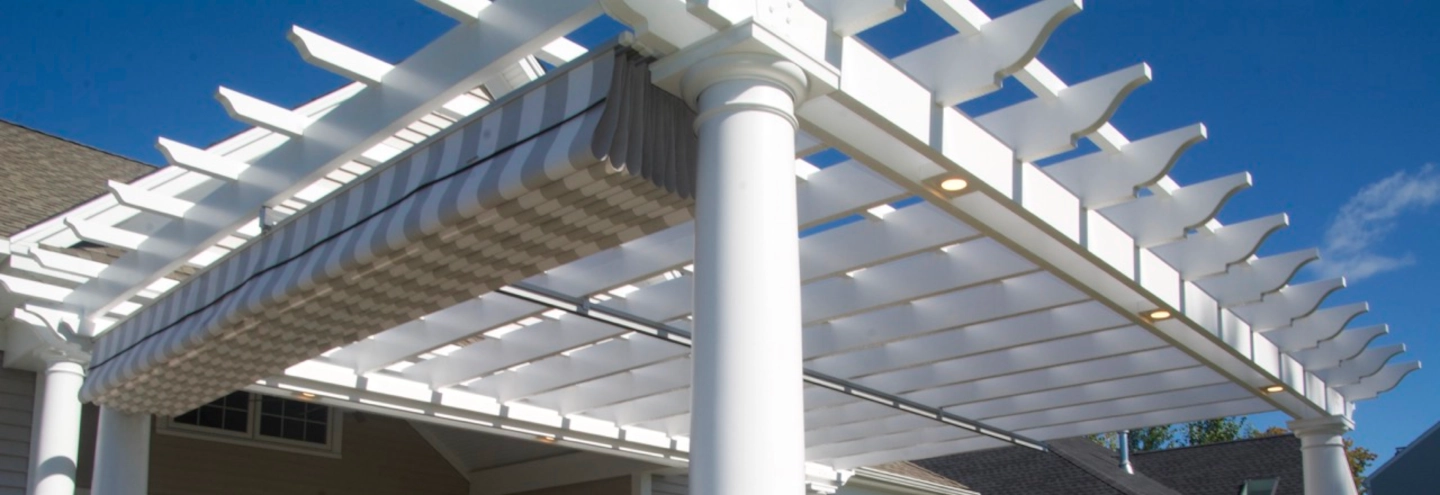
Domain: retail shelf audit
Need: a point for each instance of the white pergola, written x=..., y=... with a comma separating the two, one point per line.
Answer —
x=464, y=238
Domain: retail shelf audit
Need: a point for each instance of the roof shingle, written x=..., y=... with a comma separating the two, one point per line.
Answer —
x=43, y=175
x=1081, y=467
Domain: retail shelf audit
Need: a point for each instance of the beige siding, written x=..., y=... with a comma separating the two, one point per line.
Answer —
x=17, y=406
x=612, y=486
x=670, y=485
x=379, y=456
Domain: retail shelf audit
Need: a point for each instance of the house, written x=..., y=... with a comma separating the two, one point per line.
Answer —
x=463, y=271
x=1411, y=469
x=1266, y=465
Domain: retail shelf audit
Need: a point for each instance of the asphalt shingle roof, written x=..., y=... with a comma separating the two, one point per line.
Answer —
x=43, y=175
x=1220, y=468
x=1077, y=466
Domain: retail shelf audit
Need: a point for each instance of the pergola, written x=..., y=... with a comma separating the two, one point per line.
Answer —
x=466, y=237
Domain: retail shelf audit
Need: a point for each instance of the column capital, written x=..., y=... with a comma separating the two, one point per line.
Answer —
x=746, y=51
x=776, y=71
x=1324, y=425
x=55, y=356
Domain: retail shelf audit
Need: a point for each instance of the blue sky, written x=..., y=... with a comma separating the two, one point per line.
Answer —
x=1330, y=105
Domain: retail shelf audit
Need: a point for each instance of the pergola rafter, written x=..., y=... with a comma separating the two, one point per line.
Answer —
x=934, y=321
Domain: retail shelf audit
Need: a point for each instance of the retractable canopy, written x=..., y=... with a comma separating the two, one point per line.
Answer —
x=466, y=245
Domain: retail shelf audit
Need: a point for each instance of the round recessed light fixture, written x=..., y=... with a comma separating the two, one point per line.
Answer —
x=306, y=395
x=545, y=439
x=954, y=184
x=1274, y=389
x=1158, y=314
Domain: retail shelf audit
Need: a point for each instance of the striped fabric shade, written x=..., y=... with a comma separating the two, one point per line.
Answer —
x=523, y=186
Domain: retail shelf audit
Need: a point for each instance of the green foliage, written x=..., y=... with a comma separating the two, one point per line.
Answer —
x=1141, y=439
x=1360, y=459
x=1214, y=431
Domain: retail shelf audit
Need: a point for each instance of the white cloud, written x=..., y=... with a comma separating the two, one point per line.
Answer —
x=1367, y=218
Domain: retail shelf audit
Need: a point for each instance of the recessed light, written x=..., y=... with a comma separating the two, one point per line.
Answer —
x=306, y=395
x=1158, y=315
x=948, y=185
x=954, y=184
x=1274, y=389
x=545, y=439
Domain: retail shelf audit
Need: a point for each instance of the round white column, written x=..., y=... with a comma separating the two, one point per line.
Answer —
x=58, y=442
x=122, y=453
x=1322, y=450
x=747, y=415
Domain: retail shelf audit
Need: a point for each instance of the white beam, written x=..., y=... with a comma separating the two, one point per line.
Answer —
x=150, y=201
x=1279, y=308
x=433, y=330
x=260, y=113
x=642, y=382
x=1333, y=352
x=1004, y=298
x=1106, y=177
x=1310, y=330
x=1383, y=381
x=202, y=161
x=560, y=371
x=1249, y=281
x=1056, y=352
x=105, y=234
x=347, y=62
x=66, y=263
x=957, y=397
x=31, y=288
x=460, y=10
x=515, y=348
x=1043, y=127
x=967, y=65
x=1367, y=363
x=970, y=263
x=938, y=447
x=1063, y=397
x=850, y=17
x=1208, y=252
x=1157, y=219
x=998, y=335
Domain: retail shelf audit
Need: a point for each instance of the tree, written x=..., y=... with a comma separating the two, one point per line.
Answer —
x=1214, y=430
x=1360, y=459
x=1272, y=431
x=1141, y=439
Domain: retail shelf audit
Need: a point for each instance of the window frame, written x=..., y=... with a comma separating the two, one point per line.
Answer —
x=252, y=437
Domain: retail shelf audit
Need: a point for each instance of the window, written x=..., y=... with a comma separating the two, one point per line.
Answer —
x=1260, y=487
x=262, y=420
x=294, y=420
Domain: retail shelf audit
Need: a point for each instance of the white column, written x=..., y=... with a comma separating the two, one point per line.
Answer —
x=54, y=454
x=747, y=416
x=1327, y=470
x=122, y=454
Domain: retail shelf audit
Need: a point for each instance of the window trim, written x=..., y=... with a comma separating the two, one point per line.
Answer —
x=252, y=436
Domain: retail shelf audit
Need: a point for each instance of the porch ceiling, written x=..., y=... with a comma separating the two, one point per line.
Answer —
x=935, y=322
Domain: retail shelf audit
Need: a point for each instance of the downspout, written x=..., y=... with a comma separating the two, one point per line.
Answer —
x=1125, y=452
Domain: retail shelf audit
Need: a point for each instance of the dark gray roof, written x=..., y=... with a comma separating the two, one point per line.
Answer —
x=1221, y=468
x=1073, y=466
x=43, y=175
x=1080, y=467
